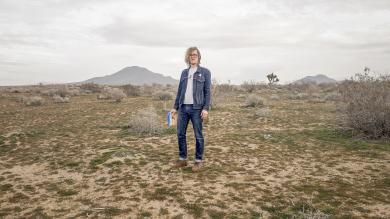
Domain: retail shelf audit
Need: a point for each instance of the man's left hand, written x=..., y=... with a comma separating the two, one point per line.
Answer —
x=204, y=114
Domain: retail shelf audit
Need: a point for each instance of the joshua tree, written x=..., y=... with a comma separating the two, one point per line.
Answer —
x=367, y=70
x=272, y=78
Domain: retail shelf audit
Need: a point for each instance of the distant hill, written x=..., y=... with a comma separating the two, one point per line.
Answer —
x=132, y=75
x=318, y=79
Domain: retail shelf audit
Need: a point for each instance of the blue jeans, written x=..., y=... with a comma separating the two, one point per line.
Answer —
x=185, y=114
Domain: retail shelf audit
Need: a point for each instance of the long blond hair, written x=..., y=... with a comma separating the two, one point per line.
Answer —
x=188, y=52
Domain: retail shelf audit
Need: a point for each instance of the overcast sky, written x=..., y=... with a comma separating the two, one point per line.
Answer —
x=73, y=40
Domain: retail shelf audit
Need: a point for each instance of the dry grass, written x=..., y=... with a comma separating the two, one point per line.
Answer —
x=77, y=160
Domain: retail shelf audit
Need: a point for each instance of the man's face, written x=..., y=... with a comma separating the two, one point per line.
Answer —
x=194, y=57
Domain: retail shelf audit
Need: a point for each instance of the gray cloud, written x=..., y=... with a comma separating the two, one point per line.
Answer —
x=307, y=26
x=8, y=63
x=78, y=39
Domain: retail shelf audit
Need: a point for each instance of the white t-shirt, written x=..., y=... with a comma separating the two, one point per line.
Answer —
x=189, y=98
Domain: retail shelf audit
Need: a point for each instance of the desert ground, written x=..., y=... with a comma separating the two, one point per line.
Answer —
x=287, y=158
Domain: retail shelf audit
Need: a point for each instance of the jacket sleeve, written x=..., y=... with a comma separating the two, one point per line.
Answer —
x=176, y=105
x=207, y=91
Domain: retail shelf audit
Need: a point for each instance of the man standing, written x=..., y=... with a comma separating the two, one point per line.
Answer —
x=192, y=103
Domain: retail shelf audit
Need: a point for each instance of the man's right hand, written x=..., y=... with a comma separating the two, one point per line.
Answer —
x=173, y=111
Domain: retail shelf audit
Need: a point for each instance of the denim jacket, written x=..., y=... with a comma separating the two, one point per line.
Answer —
x=201, y=88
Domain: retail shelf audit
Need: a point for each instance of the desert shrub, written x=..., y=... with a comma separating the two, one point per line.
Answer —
x=147, y=90
x=333, y=96
x=33, y=101
x=275, y=97
x=47, y=92
x=249, y=86
x=157, y=86
x=328, y=87
x=62, y=91
x=75, y=91
x=313, y=214
x=114, y=94
x=131, y=90
x=367, y=100
x=262, y=112
x=316, y=95
x=19, y=89
x=92, y=87
x=220, y=93
x=66, y=91
x=60, y=99
x=301, y=96
x=15, y=90
x=307, y=87
x=117, y=94
x=253, y=100
x=306, y=210
x=17, y=98
x=215, y=94
x=146, y=121
x=298, y=96
x=103, y=97
x=163, y=95
x=225, y=88
x=171, y=88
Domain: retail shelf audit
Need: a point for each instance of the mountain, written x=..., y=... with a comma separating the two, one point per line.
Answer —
x=133, y=75
x=318, y=79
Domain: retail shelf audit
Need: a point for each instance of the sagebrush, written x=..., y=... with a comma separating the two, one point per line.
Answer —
x=146, y=121
x=367, y=104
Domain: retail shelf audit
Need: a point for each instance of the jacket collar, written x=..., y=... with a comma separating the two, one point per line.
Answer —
x=198, y=70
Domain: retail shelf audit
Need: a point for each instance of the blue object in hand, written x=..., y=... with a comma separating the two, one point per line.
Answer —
x=169, y=119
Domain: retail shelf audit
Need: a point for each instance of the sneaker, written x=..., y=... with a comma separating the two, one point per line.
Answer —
x=197, y=166
x=179, y=163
